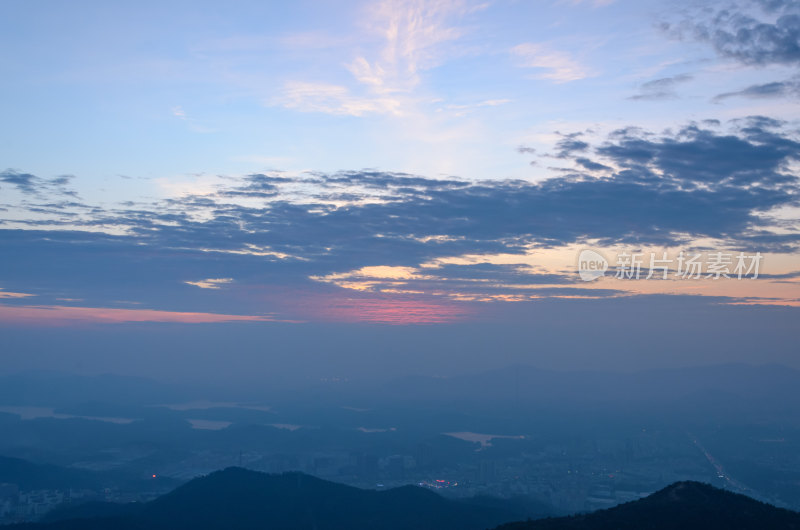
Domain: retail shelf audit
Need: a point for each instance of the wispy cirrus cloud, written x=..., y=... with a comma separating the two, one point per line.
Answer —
x=410, y=36
x=178, y=112
x=464, y=108
x=210, y=283
x=11, y=294
x=56, y=315
x=554, y=65
x=414, y=32
x=334, y=99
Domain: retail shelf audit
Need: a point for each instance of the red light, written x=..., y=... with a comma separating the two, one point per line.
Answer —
x=154, y=476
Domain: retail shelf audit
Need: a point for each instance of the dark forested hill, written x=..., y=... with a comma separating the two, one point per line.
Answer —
x=239, y=499
x=681, y=506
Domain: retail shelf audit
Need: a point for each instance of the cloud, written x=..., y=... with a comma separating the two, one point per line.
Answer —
x=55, y=315
x=377, y=232
x=383, y=273
x=37, y=186
x=255, y=185
x=466, y=282
x=570, y=144
x=389, y=310
x=658, y=89
x=636, y=185
x=211, y=283
x=558, y=66
x=178, y=112
x=24, y=182
x=333, y=99
x=9, y=294
x=464, y=108
x=760, y=39
x=758, y=155
x=191, y=123
x=590, y=165
x=413, y=34
x=62, y=180
x=789, y=88
x=411, y=37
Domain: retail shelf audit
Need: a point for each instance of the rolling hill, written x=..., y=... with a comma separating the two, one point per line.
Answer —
x=236, y=498
x=683, y=506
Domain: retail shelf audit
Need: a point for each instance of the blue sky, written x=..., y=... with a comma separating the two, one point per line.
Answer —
x=398, y=162
x=433, y=88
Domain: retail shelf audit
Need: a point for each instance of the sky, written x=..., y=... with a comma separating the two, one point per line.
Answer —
x=402, y=186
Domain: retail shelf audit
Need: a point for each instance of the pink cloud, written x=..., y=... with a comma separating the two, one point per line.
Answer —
x=390, y=311
x=56, y=315
x=340, y=305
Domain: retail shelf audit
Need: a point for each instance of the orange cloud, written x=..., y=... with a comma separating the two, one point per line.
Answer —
x=7, y=294
x=56, y=315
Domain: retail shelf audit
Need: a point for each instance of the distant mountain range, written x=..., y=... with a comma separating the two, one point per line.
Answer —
x=238, y=499
x=58, y=389
x=523, y=384
x=30, y=476
x=530, y=384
